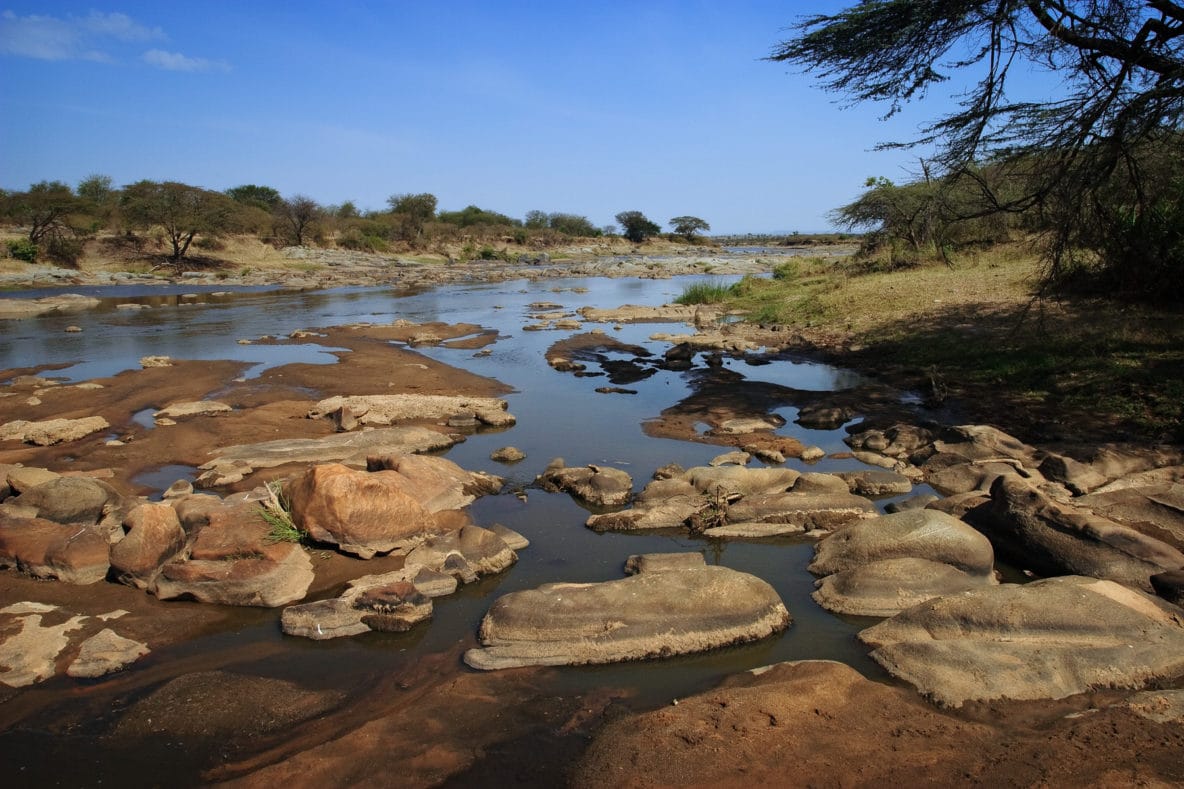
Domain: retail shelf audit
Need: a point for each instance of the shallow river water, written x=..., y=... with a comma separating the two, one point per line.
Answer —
x=559, y=415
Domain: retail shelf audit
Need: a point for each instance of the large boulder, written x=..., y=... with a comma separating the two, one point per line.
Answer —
x=280, y=574
x=234, y=560
x=154, y=537
x=466, y=554
x=599, y=486
x=889, y=586
x=1153, y=509
x=741, y=480
x=71, y=500
x=801, y=511
x=73, y=553
x=876, y=483
x=880, y=567
x=653, y=614
x=361, y=512
x=920, y=534
x=1044, y=640
x=1049, y=538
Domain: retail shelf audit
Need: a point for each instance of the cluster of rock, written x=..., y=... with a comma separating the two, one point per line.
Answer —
x=225, y=550
x=1119, y=516
x=732, y=500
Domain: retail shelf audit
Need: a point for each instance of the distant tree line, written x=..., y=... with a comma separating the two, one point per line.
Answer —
x=57, y=220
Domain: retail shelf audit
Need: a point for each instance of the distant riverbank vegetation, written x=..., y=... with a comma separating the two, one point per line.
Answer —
x=52, y=221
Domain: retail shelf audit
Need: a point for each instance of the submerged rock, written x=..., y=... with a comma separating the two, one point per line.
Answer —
x=1044, y=640
x=105, y=652
x=654, y=614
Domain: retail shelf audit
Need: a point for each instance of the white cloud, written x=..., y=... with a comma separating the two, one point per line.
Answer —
x=71, y=37
x=175, y=61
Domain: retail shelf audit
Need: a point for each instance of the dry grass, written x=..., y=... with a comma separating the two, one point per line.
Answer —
x=1067, y=369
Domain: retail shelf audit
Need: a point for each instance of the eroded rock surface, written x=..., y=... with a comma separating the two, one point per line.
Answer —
x=1044, y=640
x=391, y=409
x=51, y=431
x=653, y=614
x=880, y=567
x=352, y=449
x=360, y=512
x=600, y=486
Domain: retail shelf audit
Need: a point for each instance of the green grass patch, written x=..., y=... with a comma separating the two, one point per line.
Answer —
x=706, y=292
x=277, y=511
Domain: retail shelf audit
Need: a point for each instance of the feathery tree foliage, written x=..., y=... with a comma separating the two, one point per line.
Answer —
x=1102, y=163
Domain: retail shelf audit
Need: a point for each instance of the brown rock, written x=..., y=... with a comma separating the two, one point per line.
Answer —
x=154, y=536
x=363, y=513
x=281, y=575
x=73, y=553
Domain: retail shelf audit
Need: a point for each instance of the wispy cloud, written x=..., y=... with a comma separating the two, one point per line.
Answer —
x=175, y=61
x=70, y=37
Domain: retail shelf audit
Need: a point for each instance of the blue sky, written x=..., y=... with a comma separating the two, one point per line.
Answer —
x=586, y=108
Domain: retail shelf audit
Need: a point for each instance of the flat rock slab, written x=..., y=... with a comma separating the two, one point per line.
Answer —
x=192, y=408
x=1045, y=640
x=105, y=652
x=389, y=409
x=52, y=431
x=351, y=449
x=652, y=614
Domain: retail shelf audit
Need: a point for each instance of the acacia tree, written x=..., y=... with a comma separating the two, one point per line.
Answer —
x=688, y=226
x=182, y=211
x=45, y=209
x=298, y=213
x=636, y=226
x=1084, y=156
x=412, y=211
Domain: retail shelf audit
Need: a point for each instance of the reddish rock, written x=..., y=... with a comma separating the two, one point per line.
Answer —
x=361, y=512
x=44, y=549
x=280, y=575
x=154, y=536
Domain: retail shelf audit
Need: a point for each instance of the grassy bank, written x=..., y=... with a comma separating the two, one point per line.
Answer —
x=978, y=335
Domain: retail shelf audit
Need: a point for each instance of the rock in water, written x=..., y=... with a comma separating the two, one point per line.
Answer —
x=654, y=614
x=1044, y=640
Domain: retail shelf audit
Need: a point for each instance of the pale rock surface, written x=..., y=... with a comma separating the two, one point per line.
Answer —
x=389, y=409
x=654, y=614
x=105, y=652
x=52, y=431
x=1045, y=640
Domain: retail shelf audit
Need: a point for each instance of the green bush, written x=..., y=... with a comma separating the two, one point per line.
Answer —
x=22, y=249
